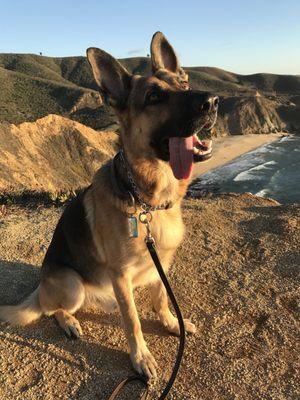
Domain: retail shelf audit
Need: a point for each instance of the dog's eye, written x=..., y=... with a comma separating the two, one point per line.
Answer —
x=154, y=97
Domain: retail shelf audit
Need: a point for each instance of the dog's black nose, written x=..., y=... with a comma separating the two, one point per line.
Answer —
x=211, y=103
x=202, y=102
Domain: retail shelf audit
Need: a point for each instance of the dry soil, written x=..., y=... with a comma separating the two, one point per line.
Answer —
x=236, y=275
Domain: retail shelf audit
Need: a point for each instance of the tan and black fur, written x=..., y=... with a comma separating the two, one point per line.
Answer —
x=91, y=258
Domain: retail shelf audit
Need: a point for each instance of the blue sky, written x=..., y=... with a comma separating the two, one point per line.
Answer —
x=239, y=36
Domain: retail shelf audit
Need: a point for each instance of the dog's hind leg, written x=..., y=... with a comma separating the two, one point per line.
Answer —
x=61, y=294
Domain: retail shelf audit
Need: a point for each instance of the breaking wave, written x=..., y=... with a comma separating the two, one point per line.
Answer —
x=272, y=170
x=250, y=173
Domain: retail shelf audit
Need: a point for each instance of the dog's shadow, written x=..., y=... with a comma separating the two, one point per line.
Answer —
x=17, y=280
x=104, y=365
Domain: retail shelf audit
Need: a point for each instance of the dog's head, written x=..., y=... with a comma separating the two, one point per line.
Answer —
x=159, y=116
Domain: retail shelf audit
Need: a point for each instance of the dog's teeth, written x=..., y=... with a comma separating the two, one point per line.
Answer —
x=208, y=143
x=196, y=138
x=196, y=151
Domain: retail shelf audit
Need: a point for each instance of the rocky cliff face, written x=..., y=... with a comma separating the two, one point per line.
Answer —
x=249, y=115
x=53, y=155
x=238, y=115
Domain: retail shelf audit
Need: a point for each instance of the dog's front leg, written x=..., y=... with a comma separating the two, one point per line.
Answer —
x=142, y=360
x=161, y=306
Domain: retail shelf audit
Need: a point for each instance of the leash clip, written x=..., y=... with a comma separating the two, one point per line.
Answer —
x=145, y=218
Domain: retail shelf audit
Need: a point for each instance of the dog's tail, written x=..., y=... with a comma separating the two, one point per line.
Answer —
x=22, y=314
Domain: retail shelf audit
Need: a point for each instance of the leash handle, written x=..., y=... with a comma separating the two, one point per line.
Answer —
x=122, y=384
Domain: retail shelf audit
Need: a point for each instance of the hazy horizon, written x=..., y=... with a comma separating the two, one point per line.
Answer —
x=245, y=38
x=184, y=66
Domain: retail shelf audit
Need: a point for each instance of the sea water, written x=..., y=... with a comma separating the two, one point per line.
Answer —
x=270, y=171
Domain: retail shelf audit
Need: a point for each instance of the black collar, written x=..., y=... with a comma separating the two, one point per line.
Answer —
x=125, y=191
x=120, y=187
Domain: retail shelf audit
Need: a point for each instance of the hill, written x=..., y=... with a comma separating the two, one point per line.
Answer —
x=34, y=86
x=52, y=155
x=249, y=114
x=76, y=70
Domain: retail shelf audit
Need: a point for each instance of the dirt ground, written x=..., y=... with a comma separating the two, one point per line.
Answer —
x=236, y=275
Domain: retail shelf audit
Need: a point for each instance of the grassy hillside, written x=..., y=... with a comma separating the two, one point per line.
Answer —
x=23, y=98
x=75, y=70
x=32, y=65
x=33, y=86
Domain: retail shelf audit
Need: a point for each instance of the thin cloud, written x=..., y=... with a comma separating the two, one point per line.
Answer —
x=135, y=51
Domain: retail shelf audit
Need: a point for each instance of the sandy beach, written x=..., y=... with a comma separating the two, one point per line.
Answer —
x=228, y=148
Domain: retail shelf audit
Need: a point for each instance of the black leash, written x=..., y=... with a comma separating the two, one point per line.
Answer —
x=152, y=250
x=129, y=192
x=121, y=385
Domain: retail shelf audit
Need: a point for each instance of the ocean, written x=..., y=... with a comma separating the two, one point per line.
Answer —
x=271, y=171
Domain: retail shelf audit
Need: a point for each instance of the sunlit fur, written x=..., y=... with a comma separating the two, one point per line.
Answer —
x=93, y=231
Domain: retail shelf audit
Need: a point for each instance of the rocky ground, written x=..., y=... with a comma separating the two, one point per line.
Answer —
x=236, y=275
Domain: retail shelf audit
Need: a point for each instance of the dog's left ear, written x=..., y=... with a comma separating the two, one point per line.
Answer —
x=111, y=77
x=163, y=55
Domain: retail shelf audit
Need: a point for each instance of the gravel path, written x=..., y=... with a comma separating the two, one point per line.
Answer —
x=236, y=276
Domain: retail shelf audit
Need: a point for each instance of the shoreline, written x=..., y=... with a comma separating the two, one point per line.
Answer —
x=227, y=148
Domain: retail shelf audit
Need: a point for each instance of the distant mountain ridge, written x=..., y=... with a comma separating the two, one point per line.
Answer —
x=32, y=86
x=75, y=70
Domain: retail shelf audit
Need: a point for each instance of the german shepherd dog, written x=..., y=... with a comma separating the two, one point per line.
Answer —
x=92, y=257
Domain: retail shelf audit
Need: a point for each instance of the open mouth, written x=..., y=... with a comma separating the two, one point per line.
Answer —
x=202, y=149
x=184, y=151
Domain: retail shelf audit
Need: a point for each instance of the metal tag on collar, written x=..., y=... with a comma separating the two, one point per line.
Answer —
x=133, y=227
x=132, y=220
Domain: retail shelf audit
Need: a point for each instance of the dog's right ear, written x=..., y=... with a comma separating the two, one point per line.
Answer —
x=111, y=77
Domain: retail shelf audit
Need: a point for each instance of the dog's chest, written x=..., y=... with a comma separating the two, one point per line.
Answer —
x=167, y=229
x=168, y=233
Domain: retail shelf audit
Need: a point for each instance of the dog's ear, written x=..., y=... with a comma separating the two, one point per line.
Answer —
x=111, y=77
x=163, y=55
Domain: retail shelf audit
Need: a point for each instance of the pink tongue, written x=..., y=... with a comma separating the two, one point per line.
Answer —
x=181, y=156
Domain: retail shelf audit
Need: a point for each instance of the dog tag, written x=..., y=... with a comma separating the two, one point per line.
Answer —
x=133, y=227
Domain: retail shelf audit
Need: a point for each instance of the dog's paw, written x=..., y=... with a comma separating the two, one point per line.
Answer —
x=189, y=326
x=71, y=326
x=73, y=329
x=144, y=363
x=173, y=326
